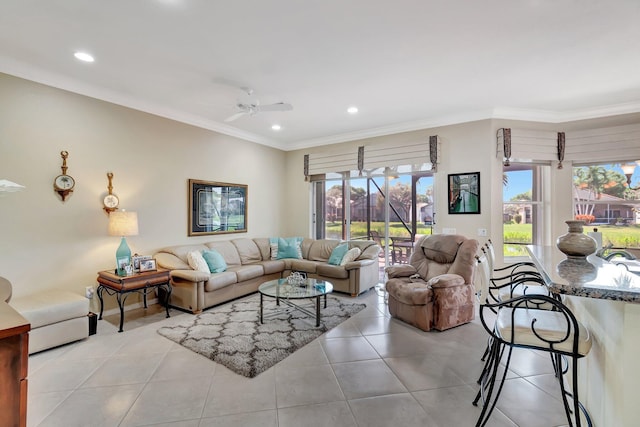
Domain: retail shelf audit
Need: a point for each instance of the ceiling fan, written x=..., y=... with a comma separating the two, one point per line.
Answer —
x=252, y=107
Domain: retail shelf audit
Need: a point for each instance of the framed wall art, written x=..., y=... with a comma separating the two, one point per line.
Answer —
x=217, y=207
x=464, y=193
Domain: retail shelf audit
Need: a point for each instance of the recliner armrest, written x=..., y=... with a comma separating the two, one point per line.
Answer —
x=405, y=270
x=446, y=281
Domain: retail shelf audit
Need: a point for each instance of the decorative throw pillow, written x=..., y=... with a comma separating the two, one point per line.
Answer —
x=290, y=247
x=197, y=262
x=338, y=253
x=214, y=260
x=273, y=244
x=351, y=255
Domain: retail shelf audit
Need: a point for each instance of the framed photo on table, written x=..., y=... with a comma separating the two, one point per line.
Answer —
x=148, y=265
x=464, y=193
x=135, y=260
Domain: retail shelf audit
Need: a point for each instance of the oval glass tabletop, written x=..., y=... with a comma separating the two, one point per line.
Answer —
x=281, y=288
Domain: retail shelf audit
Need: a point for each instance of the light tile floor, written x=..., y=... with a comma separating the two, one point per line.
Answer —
x=370, y=371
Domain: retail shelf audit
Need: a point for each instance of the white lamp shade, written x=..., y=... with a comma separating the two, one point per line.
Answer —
x=9, y=187
x=122, y=223
x=628, y=168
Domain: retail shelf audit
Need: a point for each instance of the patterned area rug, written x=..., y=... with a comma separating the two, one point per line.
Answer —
x=231, y=334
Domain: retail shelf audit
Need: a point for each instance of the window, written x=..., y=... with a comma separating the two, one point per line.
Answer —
x=522, y=207
x=602, y=198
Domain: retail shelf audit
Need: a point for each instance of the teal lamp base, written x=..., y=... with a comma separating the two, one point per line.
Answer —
x=123, y=257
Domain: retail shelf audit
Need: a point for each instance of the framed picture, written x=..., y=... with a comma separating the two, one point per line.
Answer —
x=123, y=262
x=135, y=260
x=464, y=193
x=148, y=265
x=217, y=208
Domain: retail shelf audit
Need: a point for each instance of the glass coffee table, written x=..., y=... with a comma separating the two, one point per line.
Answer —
x=287, y=293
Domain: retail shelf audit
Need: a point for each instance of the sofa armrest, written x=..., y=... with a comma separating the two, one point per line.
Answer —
x=447, y=281
x=405, y=270
x=190, y=275
x=358, y=264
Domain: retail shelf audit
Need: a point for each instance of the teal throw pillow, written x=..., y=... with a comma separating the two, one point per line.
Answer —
x=338, y=253
x=215, y=261
x=289, y=247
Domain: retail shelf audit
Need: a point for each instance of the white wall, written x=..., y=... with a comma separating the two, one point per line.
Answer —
x=46, y=243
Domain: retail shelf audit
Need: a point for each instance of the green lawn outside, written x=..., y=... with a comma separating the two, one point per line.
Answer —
x=620, y=236
x=359, y=229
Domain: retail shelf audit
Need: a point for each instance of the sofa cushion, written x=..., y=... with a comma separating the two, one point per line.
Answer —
x=247, y=272
x=214, y=260
x=51, y=306
x=351, y=255
x=227, y=250
x=275, y=266
x=337, y=254
x=263, y=245
x=220, y=280
x=305, y=265
x=197, y=262
x=248, y=251
x=334, y=271
x=320, y=250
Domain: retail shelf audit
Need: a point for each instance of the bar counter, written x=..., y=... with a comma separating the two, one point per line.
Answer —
x=606, y=299
x=591, y=278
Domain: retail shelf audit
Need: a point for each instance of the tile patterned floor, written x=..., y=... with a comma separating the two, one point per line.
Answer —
x=369, y=371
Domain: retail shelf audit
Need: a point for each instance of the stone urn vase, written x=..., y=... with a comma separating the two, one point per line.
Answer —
x=576, y=244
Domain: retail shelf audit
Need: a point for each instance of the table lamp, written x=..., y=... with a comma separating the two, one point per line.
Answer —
x=122, y=223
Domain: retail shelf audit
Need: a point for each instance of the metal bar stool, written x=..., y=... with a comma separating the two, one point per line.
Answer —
x=516, y=325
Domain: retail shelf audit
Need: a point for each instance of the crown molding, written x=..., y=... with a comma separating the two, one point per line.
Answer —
x=62, y=82
x=24, y=71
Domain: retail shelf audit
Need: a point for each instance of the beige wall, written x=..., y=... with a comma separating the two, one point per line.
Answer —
x=465, y=148
x=46, y=243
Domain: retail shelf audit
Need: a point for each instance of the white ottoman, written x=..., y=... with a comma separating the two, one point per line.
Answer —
x=57, y=317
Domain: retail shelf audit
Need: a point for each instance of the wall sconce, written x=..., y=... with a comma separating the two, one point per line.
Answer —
x=628, y=169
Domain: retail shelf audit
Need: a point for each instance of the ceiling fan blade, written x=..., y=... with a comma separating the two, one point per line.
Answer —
x=278, y=106
x=235, y=116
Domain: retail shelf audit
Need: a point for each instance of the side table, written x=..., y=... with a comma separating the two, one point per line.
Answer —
x=122, y=286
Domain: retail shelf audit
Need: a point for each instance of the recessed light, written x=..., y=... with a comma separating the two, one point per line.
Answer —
x=276, y=127
x=83, y=56
x=352, y=110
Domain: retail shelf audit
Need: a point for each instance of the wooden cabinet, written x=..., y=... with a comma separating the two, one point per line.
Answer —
x=14, y=357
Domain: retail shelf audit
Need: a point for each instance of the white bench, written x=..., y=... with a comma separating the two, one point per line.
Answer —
x=57, y=317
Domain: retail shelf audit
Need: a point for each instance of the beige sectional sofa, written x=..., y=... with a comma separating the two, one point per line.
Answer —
x=249, y=264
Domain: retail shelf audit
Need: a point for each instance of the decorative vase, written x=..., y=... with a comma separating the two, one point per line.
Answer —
x=576, y=244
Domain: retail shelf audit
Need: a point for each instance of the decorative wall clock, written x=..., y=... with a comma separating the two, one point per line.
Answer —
x=63, y=184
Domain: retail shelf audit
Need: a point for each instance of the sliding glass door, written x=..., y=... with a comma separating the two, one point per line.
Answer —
x=393, y=210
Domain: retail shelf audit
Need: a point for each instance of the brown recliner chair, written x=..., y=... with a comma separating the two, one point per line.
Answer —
x=435, y=290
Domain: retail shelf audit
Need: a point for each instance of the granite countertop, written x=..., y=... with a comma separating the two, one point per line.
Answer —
x=592, y=277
